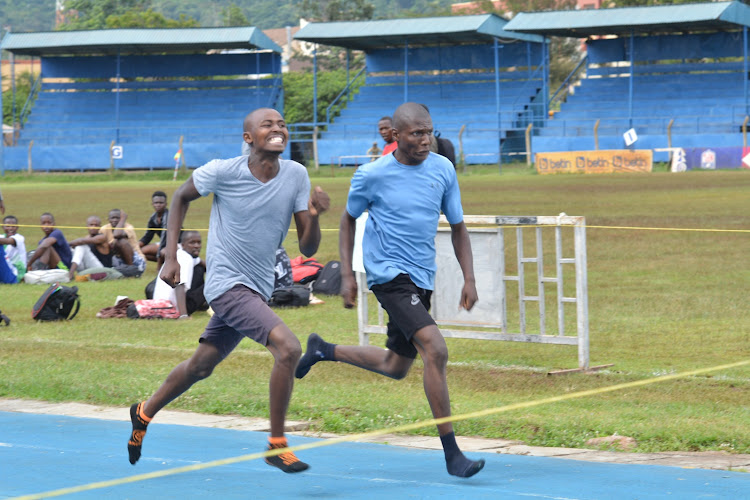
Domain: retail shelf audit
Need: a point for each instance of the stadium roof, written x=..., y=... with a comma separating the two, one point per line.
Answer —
x=366, y=35
x=136, y=41
x=682, y=18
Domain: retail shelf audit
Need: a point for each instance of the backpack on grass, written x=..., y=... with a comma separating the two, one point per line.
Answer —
x=290, y=296
x=57, y=303
x=328, y=281
x=305, y=270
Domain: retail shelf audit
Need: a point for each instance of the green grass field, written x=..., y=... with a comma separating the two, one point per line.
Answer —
x=661, y=301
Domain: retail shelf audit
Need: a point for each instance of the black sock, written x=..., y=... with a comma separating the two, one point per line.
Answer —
x=456, y=462
x=317, y=350
x=140, y=422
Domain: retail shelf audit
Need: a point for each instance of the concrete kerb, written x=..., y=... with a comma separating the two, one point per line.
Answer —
x=696, y=460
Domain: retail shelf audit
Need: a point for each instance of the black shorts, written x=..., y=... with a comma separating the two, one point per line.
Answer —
x=408, y=308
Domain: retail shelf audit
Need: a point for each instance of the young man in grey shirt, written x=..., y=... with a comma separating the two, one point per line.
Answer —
x=254, y=200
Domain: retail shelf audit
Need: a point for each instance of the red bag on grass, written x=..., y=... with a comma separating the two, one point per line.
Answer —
x=305, y=270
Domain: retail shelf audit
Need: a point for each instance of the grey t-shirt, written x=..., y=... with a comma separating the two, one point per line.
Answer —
x=249, y=221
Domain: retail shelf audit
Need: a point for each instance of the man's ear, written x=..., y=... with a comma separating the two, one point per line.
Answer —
x=247, y=137
x=394, y=133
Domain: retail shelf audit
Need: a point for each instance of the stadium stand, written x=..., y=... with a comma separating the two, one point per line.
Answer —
x=147, y=101
x=688, y=87
x=488, y=89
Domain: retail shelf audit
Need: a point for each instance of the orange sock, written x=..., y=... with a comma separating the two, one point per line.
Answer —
x=146, y=419
x=277, y=442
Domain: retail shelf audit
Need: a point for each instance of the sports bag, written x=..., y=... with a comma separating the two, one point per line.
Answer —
x=290, y=296
x=305, y=270
x=445, y=148
x=152, y=309
x=57, y=303
x=46, y=276
x=282, y=270
x=329, y=279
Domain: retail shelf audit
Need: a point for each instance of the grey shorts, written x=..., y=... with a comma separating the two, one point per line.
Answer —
x=239, y=312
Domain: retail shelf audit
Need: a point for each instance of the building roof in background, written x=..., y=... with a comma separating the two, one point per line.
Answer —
x=682, y=18
x=137, y=41
x=451, y=30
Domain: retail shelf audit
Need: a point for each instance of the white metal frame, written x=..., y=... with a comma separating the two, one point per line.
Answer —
x=499, y=224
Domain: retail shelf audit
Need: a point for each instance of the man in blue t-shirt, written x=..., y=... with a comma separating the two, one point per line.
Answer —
x=404, y=194
x=53, y=251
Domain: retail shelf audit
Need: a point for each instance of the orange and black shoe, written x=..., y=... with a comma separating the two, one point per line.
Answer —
x=287, y=461
x=140, y=422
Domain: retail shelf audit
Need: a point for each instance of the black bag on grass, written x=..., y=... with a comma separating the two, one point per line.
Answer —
x=290, y=296
x=57, y=303
x=328, y=281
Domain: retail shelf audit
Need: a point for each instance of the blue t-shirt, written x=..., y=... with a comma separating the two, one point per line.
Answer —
x=61, y=246
x=249, y=221
x=404, y=204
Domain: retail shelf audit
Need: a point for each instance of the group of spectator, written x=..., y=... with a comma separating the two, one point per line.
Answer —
x=108, y=251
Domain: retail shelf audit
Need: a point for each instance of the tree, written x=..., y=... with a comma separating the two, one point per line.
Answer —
x=233, y=16
x=336, y=10
x=102, y=14
x=24, y=81
x=298, y=98
x=148, y=19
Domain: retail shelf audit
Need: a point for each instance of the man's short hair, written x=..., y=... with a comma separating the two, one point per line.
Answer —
x=10, y=217
x=386, y=118
x=185, y=234
x=49, y=215
x=159, y=193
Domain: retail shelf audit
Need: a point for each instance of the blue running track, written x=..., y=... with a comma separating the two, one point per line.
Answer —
x=42, y=453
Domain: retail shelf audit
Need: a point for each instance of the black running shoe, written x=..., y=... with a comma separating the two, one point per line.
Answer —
x=287, y=462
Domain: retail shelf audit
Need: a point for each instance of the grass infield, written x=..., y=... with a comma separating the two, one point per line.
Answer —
x=660, y=302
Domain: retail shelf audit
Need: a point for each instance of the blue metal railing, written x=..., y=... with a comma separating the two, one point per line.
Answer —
x=565, y=83
x=345, y=91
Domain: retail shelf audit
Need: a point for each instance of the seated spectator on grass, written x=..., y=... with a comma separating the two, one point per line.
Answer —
x=126, y=252
x=92, y=254
x=157, y=225
x=53, y=251
x=12, y=252
x=187, y=296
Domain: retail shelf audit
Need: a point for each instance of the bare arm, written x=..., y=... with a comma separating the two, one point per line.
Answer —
x=118, y=232
x=347, y=228
x=179, y=293
x=88, y=240
x=8, y=241
x=181, y=199
x=308, y=227
x=45, y=244
x=462, y=249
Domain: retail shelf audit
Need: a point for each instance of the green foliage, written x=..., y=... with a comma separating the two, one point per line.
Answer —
x=298, y=94
x=233, y=16
x=109, y=14
x=27, y=15
x=337, y=10
x=24, y=81
x=93, y=14
x=148, y=19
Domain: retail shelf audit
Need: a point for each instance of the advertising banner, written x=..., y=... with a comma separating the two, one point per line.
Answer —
x=595, y=162
x=712, y=158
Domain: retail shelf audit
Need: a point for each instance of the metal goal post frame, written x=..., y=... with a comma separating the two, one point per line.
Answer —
x=491, y=314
